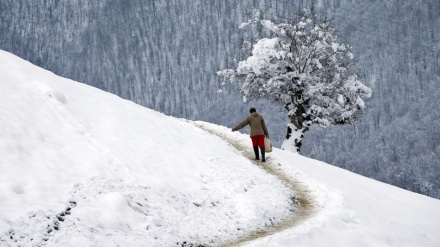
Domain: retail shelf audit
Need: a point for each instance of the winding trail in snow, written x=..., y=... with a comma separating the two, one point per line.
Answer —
x=306, y=205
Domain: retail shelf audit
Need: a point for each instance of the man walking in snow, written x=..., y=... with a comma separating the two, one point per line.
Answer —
x=258, y=131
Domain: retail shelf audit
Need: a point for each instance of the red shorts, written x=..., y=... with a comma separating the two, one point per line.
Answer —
x=258, y=141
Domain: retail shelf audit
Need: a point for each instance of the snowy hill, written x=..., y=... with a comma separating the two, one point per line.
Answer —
x=82, y=167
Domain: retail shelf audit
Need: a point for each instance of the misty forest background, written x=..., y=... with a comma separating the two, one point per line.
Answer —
x=164, y=54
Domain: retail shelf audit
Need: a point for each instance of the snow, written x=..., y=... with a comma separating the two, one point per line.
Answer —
x=263, y=52
x=82, y=167
x=295, y=135
x=371, y=213
x=63, y=141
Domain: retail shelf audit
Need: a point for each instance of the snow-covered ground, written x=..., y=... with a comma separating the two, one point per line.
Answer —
x=82, y=167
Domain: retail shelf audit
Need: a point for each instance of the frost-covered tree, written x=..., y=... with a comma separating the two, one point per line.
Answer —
x=304, y=68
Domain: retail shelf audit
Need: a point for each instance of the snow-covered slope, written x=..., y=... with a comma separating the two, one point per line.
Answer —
x=136, y=177
x=81, y=167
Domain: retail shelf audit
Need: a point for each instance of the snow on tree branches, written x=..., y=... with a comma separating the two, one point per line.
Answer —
x=303, y=68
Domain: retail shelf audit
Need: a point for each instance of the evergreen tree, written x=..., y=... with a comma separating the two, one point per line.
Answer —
x=302, y=67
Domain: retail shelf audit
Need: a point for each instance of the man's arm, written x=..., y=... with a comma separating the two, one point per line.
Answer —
x=241, y=125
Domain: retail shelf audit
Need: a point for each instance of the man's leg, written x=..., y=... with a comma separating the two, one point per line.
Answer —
x=262, y=149
x=255, y=146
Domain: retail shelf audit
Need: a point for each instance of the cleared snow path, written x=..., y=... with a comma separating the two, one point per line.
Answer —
x=306, y=205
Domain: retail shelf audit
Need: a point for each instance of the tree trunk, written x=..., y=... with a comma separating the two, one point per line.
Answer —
x=295, y=134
